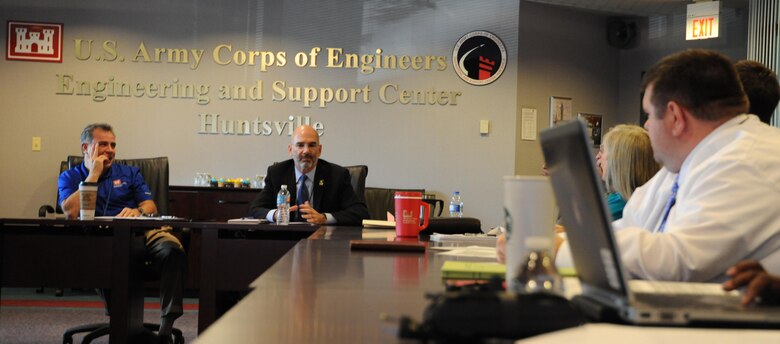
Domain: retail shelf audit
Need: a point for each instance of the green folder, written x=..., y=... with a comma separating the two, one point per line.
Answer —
x=472, y=270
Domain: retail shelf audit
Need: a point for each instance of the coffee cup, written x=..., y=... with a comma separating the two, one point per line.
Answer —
x=529, y=217
x=409, y=209
x=87, y=200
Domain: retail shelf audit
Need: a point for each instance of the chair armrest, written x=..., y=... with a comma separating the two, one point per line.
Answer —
x=45, y=209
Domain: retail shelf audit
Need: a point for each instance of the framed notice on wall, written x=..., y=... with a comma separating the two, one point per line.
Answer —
x=594, y=127
x=560, y=110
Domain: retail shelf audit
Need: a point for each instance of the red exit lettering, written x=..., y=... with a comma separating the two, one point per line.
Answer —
x=702, y=27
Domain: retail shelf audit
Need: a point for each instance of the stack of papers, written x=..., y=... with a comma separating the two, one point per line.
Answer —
x=469, y=239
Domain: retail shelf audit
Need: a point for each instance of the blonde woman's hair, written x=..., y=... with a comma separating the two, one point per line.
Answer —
x=630, y=162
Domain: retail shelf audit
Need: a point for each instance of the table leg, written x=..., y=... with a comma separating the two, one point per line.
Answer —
x=126, y=321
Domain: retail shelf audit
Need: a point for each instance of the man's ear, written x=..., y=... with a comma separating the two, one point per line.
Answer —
x=84, y=147
x=680, y=118
x=289, y=149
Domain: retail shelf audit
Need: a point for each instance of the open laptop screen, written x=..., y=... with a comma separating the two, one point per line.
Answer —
x=578, y=190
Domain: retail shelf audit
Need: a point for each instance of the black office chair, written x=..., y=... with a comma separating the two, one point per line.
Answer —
x=380, y=201
x=358, y=174
x=155, y=172
x=56, y=209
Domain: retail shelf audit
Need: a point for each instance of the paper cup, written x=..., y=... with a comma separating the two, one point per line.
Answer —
x=529, y=217
x=88, y=199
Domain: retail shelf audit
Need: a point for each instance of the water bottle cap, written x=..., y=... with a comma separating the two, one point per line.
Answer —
x=457, y=193
x=284, y=186
x=538, y=243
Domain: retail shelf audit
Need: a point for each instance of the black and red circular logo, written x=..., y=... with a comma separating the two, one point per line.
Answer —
x=479, y=57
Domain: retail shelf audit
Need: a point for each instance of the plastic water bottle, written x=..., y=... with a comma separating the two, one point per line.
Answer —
x=456, y=205
x=538, y=273
x=283, y=206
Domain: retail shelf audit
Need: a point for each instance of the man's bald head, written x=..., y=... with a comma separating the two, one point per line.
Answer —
x=305, y=148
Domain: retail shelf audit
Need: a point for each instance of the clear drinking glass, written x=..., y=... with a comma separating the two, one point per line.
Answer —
x=259, y=181
x=198, y=180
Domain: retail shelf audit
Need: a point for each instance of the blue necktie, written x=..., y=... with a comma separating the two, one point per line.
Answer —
x=669, y=204
x=303, y=194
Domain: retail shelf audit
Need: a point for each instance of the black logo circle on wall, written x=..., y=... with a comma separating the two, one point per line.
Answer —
x=479, y=57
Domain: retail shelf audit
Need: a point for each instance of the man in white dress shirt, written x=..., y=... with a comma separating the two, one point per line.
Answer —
x=724, y=166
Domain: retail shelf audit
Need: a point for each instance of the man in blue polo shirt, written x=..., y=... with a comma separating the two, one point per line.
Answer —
x=122, y=192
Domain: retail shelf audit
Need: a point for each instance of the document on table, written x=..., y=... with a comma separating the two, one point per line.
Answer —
x=248, y=221
x=378, y=224
x=468, y=251
x=471, y=239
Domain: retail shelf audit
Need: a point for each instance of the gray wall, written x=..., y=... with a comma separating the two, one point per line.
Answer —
x=572, y=59
x=567, y=60
x=659, y=36
x=435, y=147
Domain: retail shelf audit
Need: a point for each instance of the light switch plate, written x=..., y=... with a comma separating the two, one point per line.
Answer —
x=36, y=143
x=484, y=126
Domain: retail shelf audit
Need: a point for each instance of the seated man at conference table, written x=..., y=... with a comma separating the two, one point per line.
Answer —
x=320, y=192
x=122, y=192
x=716, y=199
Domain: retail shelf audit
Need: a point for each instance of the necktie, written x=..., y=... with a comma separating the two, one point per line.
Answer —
x=669, y=204
x=303, y=193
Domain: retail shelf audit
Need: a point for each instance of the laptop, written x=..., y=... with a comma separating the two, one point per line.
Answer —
x=578, y=189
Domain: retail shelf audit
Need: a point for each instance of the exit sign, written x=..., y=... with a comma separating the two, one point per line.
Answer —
x=703, y=20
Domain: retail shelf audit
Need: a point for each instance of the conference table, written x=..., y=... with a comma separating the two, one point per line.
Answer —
x=323, y=292
x=110, y=254
x=307, y=286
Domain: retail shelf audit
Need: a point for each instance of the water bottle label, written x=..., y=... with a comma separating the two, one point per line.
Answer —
x=454, y=208
x=280, y=199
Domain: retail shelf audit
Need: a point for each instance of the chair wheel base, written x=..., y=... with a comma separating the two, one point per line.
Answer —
x=95, y=331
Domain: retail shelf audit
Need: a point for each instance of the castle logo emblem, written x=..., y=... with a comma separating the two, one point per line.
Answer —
x=479, y=57
x=30, y=41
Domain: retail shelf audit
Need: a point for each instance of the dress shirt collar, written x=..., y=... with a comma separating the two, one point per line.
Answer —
x=309, y=176
x=708, y=143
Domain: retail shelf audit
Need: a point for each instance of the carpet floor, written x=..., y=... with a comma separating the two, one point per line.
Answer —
x=29, y=317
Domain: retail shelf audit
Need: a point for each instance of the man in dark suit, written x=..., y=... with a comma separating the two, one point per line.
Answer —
x=327, y=198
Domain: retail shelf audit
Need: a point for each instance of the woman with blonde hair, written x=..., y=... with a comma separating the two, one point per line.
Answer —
x=626, y=161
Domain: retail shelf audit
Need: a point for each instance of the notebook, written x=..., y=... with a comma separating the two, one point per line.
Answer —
x=472, y=270
x=578, y=190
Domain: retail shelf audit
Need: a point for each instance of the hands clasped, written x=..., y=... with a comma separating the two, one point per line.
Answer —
x=309, y=214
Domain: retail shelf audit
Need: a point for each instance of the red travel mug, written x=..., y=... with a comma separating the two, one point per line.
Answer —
x=409, y=208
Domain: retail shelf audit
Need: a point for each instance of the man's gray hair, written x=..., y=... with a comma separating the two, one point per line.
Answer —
x=86, y=134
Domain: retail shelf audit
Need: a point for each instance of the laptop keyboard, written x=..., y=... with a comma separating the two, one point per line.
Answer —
x=679, y=294
x=678, y=288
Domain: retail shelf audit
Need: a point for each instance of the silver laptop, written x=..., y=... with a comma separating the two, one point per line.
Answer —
x=579, y=192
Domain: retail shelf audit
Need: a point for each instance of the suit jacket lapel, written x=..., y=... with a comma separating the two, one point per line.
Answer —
x=319, y=184
x=292, y=185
